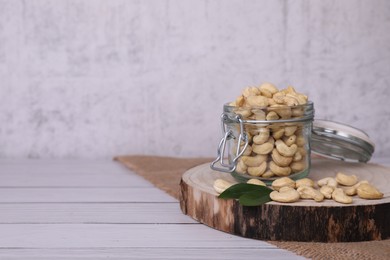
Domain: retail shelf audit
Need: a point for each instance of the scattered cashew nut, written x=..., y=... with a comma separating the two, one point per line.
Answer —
x=285, y=194
x=352, y=190
x=327, y=191
x=339, y=195
x=283, y=182
x=345, y=179
x=304, y=182
x=307, y=192
x=256, y=182
x=368, y=191
x=327, y=181
x=221, y=185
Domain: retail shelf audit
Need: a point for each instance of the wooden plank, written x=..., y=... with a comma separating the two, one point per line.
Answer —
x=120, y=236
x=73, y=174
x=62, y=179
x=61, y=195
x=149, y=253
x=93, y=213
x=75, y=167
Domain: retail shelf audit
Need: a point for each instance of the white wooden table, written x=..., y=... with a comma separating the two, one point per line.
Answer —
x=52, y=209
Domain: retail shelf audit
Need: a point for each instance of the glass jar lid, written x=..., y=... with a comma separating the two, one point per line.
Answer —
x=340, y=141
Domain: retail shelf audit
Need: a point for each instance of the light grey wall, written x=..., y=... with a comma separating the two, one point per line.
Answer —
x=98, y=78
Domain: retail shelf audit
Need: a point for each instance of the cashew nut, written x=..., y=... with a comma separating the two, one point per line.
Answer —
x=278, y=133
x=327, y=191
x=247, y=151
x=352, y=190
x=304, y=182
x=272, y=116
x=282, y=110
x=339, y=195
x=266, y=93
x=262, y=149
x=279, y=159
x=289, y=140
x=289, y=90
x=302, y=99
x=347, y=180
x=298, y=166
x=250, y=91
x=271, y=102
x=285, y=150
x=268, y=87
x=290, y=130
x=296, y=112
x=268, y=174
x=302, y=151
x=241, y=167
x=283, y=182
x=239, y=102
x=254, y=161
x=271, y=140
x=300, y=140
x=327, y=181
x=368, y=191
x=258, y=114
x=262, y=136
x=279, y=97
x=285, y=195
x=221, y=185
x=256, y=101
x=278, y=170
x=249, y=135
x=243, y=112
x=307, y=192
x=297, y=156
x=257, y=171
x=290, y=100
x=256, y=182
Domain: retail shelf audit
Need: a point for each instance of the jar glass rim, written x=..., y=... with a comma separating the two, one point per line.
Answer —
x=307, y=116
x=308, y=104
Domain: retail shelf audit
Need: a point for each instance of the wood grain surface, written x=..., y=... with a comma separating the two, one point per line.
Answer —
x=96, y=209
x=305, y=220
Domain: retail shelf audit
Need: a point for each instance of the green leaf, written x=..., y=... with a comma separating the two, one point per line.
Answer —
x=237, y=190
x=255, y=198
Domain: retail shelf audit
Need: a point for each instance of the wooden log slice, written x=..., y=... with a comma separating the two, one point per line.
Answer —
x=305, y=220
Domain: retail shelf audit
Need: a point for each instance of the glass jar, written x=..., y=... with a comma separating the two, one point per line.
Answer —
x=265, y=143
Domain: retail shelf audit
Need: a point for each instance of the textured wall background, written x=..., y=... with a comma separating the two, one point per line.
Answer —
x=100, y=78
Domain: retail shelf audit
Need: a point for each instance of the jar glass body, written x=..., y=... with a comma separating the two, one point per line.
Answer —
x=268, y=149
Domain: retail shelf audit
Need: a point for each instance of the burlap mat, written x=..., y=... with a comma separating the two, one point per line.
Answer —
x=165, y=173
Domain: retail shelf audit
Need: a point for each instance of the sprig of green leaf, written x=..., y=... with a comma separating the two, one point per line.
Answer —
x=247, y=194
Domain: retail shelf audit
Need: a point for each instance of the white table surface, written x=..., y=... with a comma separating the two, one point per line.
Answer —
x=80, y=209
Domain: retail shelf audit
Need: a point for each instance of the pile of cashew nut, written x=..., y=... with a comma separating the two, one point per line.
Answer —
x=340, y=188
x=275, y=150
